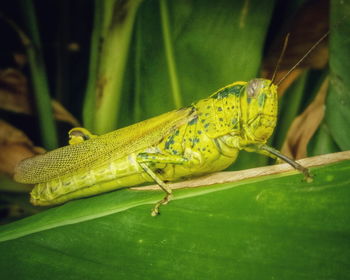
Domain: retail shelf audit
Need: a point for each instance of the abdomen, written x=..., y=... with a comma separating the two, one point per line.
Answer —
x=110, y=176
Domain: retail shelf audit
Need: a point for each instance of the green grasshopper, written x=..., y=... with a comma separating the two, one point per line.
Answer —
x=202, y=138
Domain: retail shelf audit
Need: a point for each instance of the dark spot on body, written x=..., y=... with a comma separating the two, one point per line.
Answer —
x=193, y=121
x=159, y=171
x=236, y=90
x=143, y=155
x=219, y=109
x=169, y=142
x=261, y=99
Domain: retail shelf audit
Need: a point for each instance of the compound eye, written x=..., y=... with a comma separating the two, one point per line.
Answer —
x=253, y=87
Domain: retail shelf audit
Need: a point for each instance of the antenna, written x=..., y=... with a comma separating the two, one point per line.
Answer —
x=280, y=58
x=304, y=56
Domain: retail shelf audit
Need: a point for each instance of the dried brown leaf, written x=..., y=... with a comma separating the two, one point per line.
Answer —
x=14, y=97
x=305, y=125
x=293, y=76
x=14, y=147
x=62, y=114
x=306, y=28
x=10, y=135
x=20, y=59
x=14, y=92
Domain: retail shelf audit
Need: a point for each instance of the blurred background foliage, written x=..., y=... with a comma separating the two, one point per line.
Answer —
x=108, y=64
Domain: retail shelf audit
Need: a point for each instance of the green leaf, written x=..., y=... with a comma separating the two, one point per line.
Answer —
x=91, y=83
x=39, y=77
x=268, y=227
x=322, y=142
x=186, y=50
x=211, y=44
x=338, y=101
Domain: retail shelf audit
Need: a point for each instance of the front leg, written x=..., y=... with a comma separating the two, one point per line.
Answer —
x=237, y=142
x=273, y=153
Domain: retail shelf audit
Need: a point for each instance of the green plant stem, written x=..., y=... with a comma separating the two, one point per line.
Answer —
x=118, y=24
x=39, y=78
x=137, y=65
x=169, y=53
x=90, y=96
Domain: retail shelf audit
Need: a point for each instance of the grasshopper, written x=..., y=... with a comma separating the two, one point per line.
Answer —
x=202, y=138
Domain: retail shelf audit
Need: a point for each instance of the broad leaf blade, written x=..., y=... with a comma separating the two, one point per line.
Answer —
x=272, y=227
x=337, y=107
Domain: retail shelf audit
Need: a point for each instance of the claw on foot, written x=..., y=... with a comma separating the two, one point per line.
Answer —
x=165, y=200
x=307, y=175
